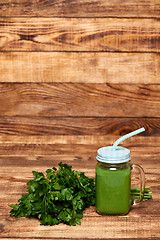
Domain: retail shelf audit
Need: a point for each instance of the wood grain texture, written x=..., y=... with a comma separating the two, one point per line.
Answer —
x=88, y=163
x=79, y=100
x=83, y=8
x=64, y=145
x=80, y=67
x=57, y=149
x=94, y=225
x=16, y=171
x=48, y=126
x=80, y=34
x=74, y=77
x=82, y=140
x=18, y=160
x=78, y=238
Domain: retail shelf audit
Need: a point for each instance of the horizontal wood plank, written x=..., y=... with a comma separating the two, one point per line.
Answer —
x=87, y=238
x=59, y=238
x=79, y=34
x=62, y=145
x=80, y=67
x=99, y=140
x=76, y=99
x=91, y=227
x=48, y=126
x=78, y=238
x=82, y=8
x=79, y=160
x=57, y=149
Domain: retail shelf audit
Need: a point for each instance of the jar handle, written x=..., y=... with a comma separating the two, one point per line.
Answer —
x=142, y=183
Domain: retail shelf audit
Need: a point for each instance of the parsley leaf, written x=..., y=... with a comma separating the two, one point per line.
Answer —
x=60, y=196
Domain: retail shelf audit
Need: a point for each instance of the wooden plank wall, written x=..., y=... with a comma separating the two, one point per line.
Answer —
x=79, y=67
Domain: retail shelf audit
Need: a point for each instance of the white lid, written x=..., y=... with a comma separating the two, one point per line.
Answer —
x=109, y=155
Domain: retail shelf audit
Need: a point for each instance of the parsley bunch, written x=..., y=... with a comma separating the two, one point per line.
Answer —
x=61, y=196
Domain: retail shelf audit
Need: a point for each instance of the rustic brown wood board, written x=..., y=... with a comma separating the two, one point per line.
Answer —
x=81, y=8
x=80, y=67
x=20, y=158
x=80, y=34
x=75, y=76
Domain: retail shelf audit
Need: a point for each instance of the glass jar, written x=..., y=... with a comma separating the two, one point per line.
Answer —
x=113, y=181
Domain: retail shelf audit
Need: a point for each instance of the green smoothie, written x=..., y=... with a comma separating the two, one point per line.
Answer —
x=112, y=190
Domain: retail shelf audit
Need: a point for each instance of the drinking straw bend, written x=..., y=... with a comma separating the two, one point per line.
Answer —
x=127, y=136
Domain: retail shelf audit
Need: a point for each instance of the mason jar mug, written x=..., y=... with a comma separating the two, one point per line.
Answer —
x=113, y=181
